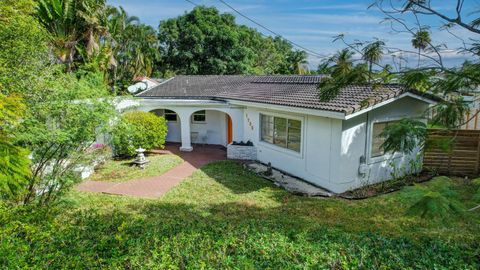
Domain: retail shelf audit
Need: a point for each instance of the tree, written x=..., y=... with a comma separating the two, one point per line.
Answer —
x=421, y=40
x=343, y=63
x=61, y=116
x=372, y=54
x=343, y=72
x=298, y=62
x=23, y=46
x=22, y=56
x=60, y=18
x=204, y=41
x=14, y=163
x=290, y=60
x=65, y=116
x=91, y=36
x=136, y=53
x=449, y=83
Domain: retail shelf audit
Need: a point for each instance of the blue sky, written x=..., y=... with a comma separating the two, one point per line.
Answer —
x=312, y=24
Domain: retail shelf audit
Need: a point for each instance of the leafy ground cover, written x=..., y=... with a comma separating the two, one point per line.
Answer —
x=122, y=170
x=224, y=217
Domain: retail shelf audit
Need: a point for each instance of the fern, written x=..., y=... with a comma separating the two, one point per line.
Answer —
x=438, y=199
x=476, y=184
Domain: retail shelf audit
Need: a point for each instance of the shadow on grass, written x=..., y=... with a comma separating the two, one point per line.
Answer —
x=233, y=176
x=231, y=233
x=221, y=236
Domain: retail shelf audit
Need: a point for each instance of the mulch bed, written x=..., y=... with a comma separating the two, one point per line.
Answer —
x=386, y=187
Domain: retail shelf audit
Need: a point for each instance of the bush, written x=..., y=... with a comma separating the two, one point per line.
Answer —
x=138, y=129
x=436, y=200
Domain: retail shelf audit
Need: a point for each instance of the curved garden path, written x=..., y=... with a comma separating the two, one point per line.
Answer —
x=156, y=186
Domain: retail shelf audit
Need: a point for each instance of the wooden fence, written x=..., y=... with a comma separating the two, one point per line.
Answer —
x=472, y=120
x=462, y=158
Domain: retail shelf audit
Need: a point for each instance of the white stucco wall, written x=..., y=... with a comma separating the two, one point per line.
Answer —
x=331, y=148
x=313, y=163
x=174, y=131
x=215, y=127
x=356, y=142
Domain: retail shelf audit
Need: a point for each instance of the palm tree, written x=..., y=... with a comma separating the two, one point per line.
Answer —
x=421, y=40
x=372, y=54
x=59, y=18
x=73, y=23
x=92, y=14
x=343, y=63
x=298, y=62
x=119, y=24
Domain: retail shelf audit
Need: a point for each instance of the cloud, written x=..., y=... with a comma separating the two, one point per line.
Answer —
x=335, y=7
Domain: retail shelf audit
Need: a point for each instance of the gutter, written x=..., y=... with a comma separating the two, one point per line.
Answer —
x=298, y=110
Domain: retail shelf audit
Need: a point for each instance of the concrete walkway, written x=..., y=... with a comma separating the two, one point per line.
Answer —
x=156, y=186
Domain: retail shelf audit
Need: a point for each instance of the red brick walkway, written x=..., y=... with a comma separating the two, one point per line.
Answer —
x=154, y=187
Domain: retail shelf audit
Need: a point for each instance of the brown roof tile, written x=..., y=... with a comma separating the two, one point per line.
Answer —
x=287, y=90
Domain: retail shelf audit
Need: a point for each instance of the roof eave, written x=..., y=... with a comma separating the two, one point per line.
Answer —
x=292, y=109
x=388, y=101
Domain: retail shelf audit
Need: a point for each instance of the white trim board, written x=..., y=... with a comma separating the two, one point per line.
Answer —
x=407, y=94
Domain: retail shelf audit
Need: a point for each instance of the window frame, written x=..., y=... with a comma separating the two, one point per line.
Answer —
x=385, y=156
x=272, y=145
x=201, y=113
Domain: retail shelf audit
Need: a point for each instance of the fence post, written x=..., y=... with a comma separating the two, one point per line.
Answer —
x=477, y=164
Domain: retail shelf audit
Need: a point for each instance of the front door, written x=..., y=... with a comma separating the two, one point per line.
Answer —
x=229, y=130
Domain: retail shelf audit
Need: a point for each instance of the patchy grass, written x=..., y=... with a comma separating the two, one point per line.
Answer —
x=122, y=170
x=223, y=217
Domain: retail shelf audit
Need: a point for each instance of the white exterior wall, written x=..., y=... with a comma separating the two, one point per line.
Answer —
x=356, y=142
x=215, y=127
x=174, y=131
x=330, y=148
x=314, y=162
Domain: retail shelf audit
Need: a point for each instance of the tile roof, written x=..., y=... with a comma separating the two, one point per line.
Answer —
x=287, y=90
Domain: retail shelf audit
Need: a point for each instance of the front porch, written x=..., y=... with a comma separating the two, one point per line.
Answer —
x=198, y=122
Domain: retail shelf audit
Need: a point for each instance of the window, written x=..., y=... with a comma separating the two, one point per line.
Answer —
x=199, y=117
x=378, y=140
x=169, y=115
x=282, y=132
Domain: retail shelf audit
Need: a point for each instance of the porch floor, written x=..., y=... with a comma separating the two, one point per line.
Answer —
x=156, y=186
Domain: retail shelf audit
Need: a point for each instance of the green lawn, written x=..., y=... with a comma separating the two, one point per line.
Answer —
x=122, y=170
x=224, y=217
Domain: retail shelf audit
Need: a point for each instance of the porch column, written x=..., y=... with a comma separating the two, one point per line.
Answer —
x=185, y=132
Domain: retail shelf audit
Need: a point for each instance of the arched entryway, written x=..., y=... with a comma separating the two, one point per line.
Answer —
x=211, y=126
x=174, y=133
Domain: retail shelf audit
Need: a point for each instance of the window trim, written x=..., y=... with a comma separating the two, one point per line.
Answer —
x=280, y=148
x=385, y=156
x=199, y=122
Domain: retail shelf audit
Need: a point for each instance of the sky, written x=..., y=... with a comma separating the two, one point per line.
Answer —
x=314, y=24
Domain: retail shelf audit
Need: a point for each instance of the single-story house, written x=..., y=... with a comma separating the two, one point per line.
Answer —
x=334, y=145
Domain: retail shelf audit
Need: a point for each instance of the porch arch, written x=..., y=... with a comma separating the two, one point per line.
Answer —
x=174, y=132
x=212, y=126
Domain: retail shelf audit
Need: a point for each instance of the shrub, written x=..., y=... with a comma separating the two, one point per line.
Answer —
x=438, y=199
x=476, y=184
x=138, y=129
